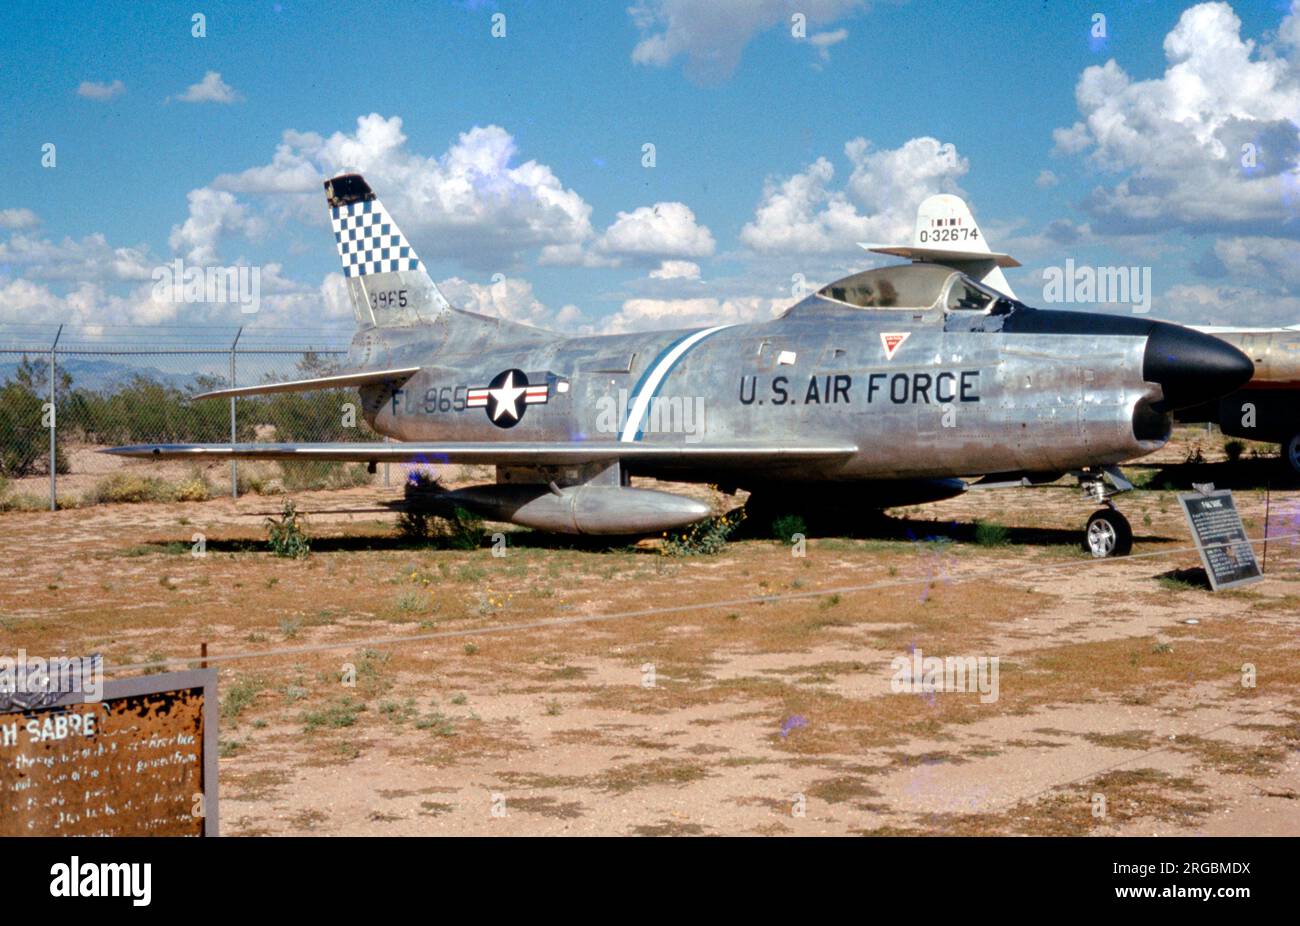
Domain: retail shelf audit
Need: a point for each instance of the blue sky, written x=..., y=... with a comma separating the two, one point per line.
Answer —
x=515, y=163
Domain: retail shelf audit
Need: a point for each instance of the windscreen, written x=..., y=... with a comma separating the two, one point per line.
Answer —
x=905, y=286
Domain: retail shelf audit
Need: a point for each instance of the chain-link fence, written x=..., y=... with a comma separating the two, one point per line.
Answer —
x=68, y=391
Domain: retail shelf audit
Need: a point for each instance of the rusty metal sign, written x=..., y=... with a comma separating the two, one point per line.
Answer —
x=140, y=762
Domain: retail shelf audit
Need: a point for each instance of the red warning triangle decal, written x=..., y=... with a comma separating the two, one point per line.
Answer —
x=891, y=341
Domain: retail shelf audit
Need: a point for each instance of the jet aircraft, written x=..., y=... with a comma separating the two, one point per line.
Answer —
x=893, y=386
x=1264, y=409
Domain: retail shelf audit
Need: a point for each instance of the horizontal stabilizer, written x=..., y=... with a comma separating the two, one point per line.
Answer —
x=539, y=453
x=945, y=233
x=338, y=381
x=942, y=255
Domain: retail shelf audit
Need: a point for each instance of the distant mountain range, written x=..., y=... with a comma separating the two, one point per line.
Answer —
x=98, y=374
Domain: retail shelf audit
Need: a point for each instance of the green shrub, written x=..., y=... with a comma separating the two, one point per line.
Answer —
x=143, y=410
x=461, y=530
x=235, y=698
x=287, y=535
x=193, y=488
x=785, y=527
x=129, y=488
x=415, y=522
x=335, y=715
x=124, y=488
x=465, y=530
x=252, y=478
x=24, y=440
x=323, y=474
x=410, y=601
x=1233, y=449
x=27, y=501
x=703, y=538
x=991, y=535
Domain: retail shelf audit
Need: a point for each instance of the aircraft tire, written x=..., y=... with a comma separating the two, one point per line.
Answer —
x=1291, y=453
x=1108, y=534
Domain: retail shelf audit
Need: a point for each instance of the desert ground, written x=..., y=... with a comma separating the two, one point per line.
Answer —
x=567, y=688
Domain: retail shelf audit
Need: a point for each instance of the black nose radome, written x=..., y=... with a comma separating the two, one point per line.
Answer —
x=1192, y=367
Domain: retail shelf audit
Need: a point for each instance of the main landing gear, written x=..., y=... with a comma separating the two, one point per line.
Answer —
x=1291, y=453
x=1108, y=532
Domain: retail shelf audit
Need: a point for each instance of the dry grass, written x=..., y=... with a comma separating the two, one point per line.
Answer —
x=559, y=720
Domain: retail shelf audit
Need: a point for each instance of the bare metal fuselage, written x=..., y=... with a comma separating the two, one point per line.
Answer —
x=1266, y=408
x=960, y=396
x=881, y=389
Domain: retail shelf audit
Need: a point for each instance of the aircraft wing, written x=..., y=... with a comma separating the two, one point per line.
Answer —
x=541, y=453
x=336, y=381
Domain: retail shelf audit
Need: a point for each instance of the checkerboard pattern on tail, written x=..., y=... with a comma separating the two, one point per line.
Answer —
x=385, y=279
x=369, y=241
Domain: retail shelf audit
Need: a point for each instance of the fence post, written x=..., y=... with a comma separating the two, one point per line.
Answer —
x=234, y=467
x=54, y=424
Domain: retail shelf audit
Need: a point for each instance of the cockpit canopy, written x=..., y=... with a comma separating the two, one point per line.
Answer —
x=914, y=286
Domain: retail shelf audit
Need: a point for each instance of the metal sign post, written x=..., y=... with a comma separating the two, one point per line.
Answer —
x=234, y=467
x=54, y=465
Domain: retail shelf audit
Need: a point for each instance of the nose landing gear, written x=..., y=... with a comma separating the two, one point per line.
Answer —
x=1108, y=532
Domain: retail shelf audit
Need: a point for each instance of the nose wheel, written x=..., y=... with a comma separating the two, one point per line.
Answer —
x=1108, y=534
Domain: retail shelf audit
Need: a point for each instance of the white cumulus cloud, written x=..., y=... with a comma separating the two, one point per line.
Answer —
x=676, y=270
x=90, y=258
x=1210, y=144
x=12, y=219
x=507, y=297
x=477, y=201
x=283, y=303
x=1239, y=306
x=805, y=215
x=100, y=92
x=211, y=89
x=711, y=35
x=660, y=231
x=1258, y=257
x=655, y=314
x=213, y=214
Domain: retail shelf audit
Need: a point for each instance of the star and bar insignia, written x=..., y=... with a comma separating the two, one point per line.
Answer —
x=507, y=397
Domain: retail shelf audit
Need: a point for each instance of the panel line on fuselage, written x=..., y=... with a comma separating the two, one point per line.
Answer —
x=656, y=373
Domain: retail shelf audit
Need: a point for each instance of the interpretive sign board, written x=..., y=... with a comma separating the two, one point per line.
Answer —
x=142, y=761
x=1220, y=536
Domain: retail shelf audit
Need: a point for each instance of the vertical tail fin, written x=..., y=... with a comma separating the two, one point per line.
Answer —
x=385, y=277
x=946, y=233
